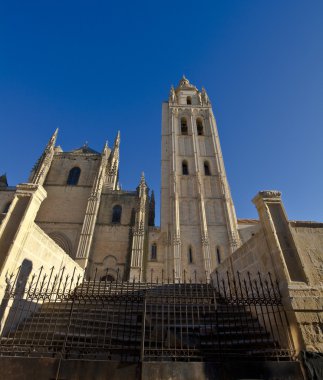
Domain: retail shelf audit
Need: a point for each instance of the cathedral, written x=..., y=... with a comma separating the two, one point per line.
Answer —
x=72, y=215
x=101, y=226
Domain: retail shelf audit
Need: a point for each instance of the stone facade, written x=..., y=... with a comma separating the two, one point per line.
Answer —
x=292, y=252
x=72, y=213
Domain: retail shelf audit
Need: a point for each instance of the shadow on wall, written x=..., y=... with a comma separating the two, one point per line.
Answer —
x=15, y=307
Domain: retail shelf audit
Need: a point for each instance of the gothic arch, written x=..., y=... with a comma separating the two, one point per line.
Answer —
x=184, y=127
x=73, y=176
x=199, y=126
x=153, y=255
x=62, y=241
x=207, y=170
x=109, y=262
x=109, y=270
x=116, y=214
x=185, y=170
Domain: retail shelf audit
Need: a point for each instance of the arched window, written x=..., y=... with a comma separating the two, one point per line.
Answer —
x=206, y=168
x=218, y=255
x=6, y=208
x=199, y=127
x=184, y=168
x=183, y=126
x=116, y=214
x=154, y=251
x=189, y=100
x=73, y=176
x=190, y=255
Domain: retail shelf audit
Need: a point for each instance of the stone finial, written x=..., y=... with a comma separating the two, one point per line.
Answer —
x=41, y=168
x=204, y=96
x=184, y=84
x=54, y=136
x=172, y=95
x=105, y=148
x=142, y=179
x=52, y=141
x=184, y=81
x=3, y=180
x=117, y=139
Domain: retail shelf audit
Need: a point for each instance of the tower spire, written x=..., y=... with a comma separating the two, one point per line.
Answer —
x=39, y=173
x=111, y=182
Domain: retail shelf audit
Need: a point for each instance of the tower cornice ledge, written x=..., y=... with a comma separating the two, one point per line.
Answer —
x=267, y=194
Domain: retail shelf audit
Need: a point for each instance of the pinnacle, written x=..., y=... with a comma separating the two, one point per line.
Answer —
x=3, y=180
x=142, y=179
x=117, y=139
x=52, y=140
x=106, y=146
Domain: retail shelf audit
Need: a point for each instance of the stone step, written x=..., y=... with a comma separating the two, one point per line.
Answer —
x=107, y=319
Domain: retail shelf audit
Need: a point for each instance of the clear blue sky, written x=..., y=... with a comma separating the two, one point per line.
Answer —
x=91, y=68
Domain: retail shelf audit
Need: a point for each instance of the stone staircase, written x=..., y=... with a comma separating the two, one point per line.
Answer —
x=138, y=321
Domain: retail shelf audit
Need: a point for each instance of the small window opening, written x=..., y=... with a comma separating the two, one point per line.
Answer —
x=190, y=255
x=116, y=214
x=154, y=251
x=199, y=127
x=206, y=168
x=183, y=126
x=73, y=176
x=218, y=255
x=185, y=168
x=6, y=208
x=189, y=100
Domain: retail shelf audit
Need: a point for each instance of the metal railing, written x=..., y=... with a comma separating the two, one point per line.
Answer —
x=63, y=316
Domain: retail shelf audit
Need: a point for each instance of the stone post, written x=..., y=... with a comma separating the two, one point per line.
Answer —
x=285, y=257
x=17, y=225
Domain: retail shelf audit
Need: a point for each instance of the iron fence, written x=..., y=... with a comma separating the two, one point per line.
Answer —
x=64, y=316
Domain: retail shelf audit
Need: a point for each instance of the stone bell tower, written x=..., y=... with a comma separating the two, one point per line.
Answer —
x=198, y=219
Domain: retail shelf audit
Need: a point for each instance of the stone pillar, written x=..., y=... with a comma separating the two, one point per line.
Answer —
x=176, y=239
x=138, y=240
x=92, y=208
x=17, y=224
x=285, y=257
x=229, y=211
x=200, y=194
x=302, y=300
